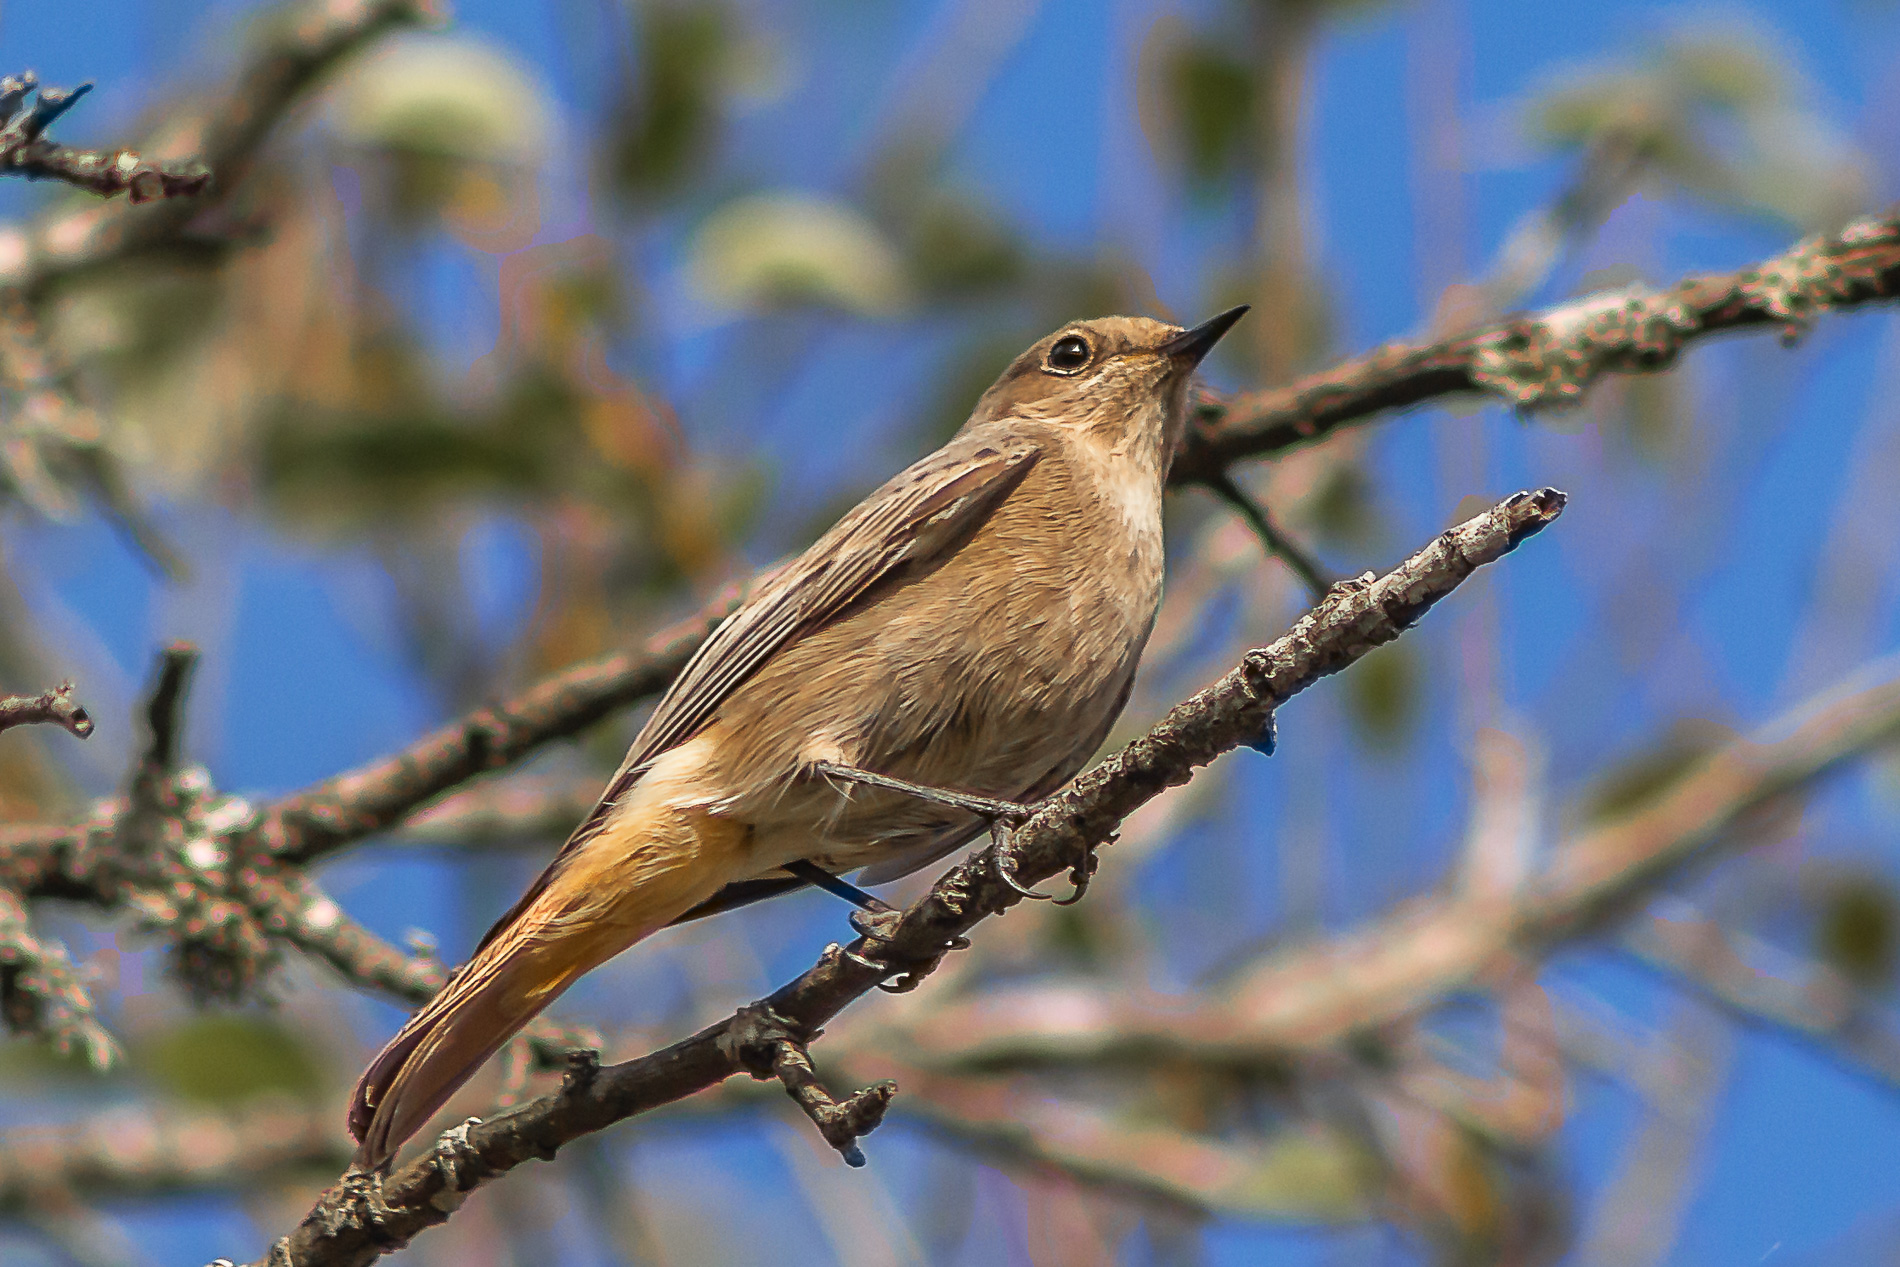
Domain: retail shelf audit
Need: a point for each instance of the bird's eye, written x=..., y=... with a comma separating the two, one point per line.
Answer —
x=1069, y=354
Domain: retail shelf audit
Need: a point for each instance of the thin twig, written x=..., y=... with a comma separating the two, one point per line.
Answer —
x=1314, y=576
x=1541, y=359
x=223, y=129
x=165, y=711
x=26, y=151
x=375, y=797
x=56, y=706
x=768, y=1046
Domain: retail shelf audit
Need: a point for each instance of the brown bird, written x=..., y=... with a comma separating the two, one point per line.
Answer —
x=973, y=625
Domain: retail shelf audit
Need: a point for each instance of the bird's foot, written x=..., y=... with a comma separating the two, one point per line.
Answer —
x=1006, y=861
x=901, y=974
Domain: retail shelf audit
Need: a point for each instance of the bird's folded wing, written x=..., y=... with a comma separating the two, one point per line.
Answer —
x=923, y=512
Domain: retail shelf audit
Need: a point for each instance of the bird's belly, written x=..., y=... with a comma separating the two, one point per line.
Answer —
x=1004, y=696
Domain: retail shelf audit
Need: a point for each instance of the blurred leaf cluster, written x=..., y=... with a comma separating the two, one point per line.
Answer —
x=1716, y=112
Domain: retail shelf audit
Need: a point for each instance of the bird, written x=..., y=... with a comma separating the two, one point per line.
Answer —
x=967, y=634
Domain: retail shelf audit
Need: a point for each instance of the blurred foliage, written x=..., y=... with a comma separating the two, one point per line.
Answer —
x=1856, y=923
x=1199, y=104
x=787, y=249
x=666, y=128
x=1639, y=779
x=1205, y=94
x=959, y=248
x=438, y=116
x=226, y=1059
x=1649, y=410
x=1383, y=696
x=1311, y=1172
x=1342, y=508
x=1717, y=113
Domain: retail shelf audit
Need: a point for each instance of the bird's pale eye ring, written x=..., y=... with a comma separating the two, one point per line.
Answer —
x=1068, y=354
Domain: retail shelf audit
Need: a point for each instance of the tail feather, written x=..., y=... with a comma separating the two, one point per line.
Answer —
x=653, y=861
x=482, y=1007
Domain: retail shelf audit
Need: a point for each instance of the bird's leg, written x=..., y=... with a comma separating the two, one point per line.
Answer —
x=985, y=807
x=816, y=876
x=875, y=920
x=1003, y=817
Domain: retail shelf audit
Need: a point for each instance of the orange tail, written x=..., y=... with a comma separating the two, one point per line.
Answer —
x=650, y=865
x=484, y=1005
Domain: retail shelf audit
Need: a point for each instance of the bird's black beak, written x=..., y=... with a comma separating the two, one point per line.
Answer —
x=1192, y=345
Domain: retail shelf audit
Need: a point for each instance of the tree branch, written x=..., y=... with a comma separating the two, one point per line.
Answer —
x=1310, y=571
x=140, y=1151
x=1548, y=358
x=1813, y=1000
x=57, y=706
x=26, y=151
x=223, y=130
x=1532, y=360
x=319, y=821
x=170, y=852
x=1312, y=998
x=362, y=1217
x=42, y=993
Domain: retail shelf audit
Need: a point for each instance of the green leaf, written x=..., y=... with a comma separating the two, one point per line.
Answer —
x=1382, y=696
x=668, y=126
x=1857, y=927
x=451, y=97
x=782, y=249
x=228, y=1059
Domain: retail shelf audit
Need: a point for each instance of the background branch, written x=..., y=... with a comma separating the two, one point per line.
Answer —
x=1550, y=358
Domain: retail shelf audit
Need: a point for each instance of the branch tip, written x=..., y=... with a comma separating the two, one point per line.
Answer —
x=25, y=150
x=768, y=1046
x=56, y=706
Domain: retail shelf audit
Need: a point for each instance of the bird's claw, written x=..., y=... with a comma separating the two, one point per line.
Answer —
x=1079, y=875
x=879, y=927
x=1006, y=865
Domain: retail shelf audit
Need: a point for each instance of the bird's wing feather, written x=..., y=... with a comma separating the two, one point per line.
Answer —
x=924, y=511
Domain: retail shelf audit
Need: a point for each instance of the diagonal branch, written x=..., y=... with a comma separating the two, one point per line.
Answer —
x=1311, y=572
x=375, y=797
x=1312, y=998
x=362, y=1217
x=1549, y=358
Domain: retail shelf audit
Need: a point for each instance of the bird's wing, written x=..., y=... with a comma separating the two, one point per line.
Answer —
x=918, y=515
x=922, y=513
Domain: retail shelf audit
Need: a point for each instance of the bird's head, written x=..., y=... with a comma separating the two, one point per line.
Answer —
x=1121, y=380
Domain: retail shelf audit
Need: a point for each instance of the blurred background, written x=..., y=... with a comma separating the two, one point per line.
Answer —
x=522, y=335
